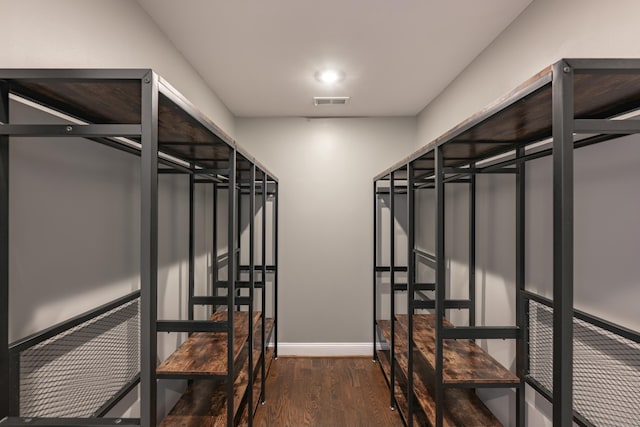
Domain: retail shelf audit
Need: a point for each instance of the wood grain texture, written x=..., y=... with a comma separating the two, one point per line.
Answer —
x=464, y=360
x=205, y=353
x=326, y=392
x=523, y=116
x=400, y=393
x=420, y=390
x=119, y=102
x=461, y=406
x=244, y=419
x=94, y=101
x=205, y=401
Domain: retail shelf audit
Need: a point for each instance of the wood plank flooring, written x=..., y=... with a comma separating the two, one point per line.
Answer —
x=326, y=392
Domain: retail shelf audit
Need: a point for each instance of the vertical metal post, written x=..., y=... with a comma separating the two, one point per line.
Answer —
x=231, y=276
x=562, y=243
x=252, y=284
x=392, y=282
x=375, y=274
x=275, y=273
x=440, y=284
x=411, y=272
x=14, y=384
x=192, y=214
x=149, y=250
x=214, y=254
x=263, y=275
x=239, y=236
x=4, y=254
x=472, y=246
x=521, y=310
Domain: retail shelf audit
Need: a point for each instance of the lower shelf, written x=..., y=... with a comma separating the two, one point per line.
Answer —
x=205, y=401
x=461, y=406
x=400, y=396
x=244, y=420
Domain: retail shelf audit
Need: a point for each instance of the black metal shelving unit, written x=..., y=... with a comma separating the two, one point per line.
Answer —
x=571, y=104
x=138, y=112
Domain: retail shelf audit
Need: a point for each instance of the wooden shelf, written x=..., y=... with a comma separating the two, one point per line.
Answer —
x=461, y=406
x=524, y=116
x=117, y=101
x=205, y=353
x=205, y=401
x=244, y=420
x=114, y=96
x=464, y=360
x=400, y=389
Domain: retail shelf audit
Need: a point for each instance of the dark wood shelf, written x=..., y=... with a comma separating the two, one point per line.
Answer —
x=205, y=401
x=114, y=97
x=400, y=389
x=205, y=353
x=244, y=419
x=524, y=116
x=464, y=360
x=461, y=406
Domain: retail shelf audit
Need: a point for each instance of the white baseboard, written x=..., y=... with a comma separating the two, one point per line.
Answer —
x=320, y=349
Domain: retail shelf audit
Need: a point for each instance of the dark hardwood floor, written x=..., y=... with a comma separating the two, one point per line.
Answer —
x=326, y=392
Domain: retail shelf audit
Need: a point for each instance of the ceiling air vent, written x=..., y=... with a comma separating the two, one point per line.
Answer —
x=330, y=100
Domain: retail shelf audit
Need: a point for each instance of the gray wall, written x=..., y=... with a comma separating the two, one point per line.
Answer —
x=325, y=167
x=606, y=228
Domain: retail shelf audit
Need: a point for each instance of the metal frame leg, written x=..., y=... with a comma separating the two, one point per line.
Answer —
x=375, y=274
x=562, y=244
x=472, y=248
x=440, y=284
x=263, y=275
x=192, y=214
x=4, y=254
x=411, y=271
x=521, y=310
x=275, y=274
x=252, y=284
x=231, y=290
x=392, y=292
x=214, y=254
x=149, y=251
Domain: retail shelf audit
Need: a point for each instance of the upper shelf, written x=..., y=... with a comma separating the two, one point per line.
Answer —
x=115, y=97
x=602, y=89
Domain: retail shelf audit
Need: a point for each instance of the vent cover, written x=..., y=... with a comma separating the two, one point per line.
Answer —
x=330, y=100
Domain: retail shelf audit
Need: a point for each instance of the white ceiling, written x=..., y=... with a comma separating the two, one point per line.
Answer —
x=260, y=57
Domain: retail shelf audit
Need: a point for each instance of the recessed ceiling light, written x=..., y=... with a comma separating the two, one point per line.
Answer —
x=329, y=76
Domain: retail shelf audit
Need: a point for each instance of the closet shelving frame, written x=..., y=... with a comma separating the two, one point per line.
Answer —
x=136, y=111
x=571, y=104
